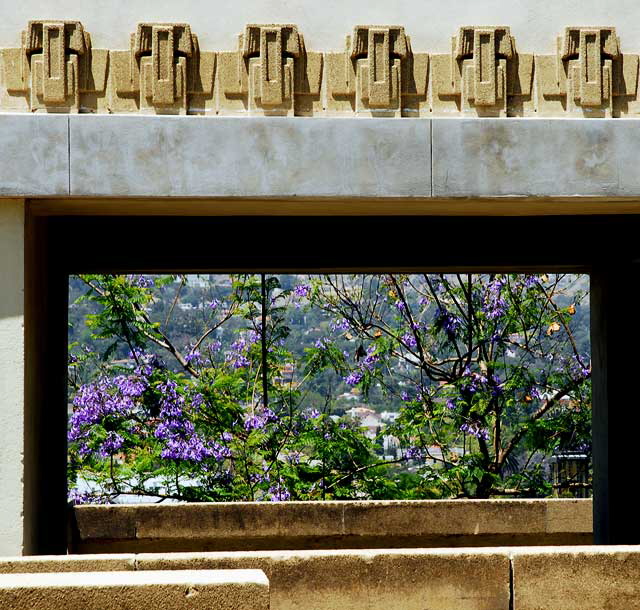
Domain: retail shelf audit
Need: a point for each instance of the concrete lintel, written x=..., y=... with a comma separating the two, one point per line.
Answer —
x=535, y=157
x=34, y=149
x=174, y=156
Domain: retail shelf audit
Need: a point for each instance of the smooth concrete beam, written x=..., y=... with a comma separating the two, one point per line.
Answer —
x=34, y=149
x=187, y=156
x=535, y=157
x=169, y=590
x=591, y=578
x=12, y=359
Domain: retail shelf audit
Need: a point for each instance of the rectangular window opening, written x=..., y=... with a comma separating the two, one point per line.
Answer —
x=252, y=387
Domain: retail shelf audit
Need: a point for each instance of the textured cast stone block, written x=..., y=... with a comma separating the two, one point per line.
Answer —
x=377, y=75
x=331, y=525
x=538, y=158
x=179, y=590
x=588, y=76
x=483, y=75
x=366, y=580
x=257, y=157
x=589, y=578
x=163, y=72
x=55, y=70
x=67, y=563
x=270, y=74
x=34, y=150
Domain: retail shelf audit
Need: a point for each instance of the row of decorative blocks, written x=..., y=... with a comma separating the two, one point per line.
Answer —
x=271, y=73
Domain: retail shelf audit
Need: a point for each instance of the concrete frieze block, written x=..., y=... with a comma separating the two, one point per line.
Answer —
x=163, y=72
x=377, y=74
x=483, y=75
x=254, y=157
x=270, y=74
x=535, y=158
x=588, y=76
x=55, y=70
x=35, y=154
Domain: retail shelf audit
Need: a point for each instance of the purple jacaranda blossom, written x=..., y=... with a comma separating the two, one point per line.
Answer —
x=474, y=429
x=340, y=324
x=313, y=414
x=227, y=437
x=400, y=305
x=302, y=290
x=214, y=345
x=447, y=322
x=193, y=357
x=214, y=304
x=279, y=493
x=112, y=444
x=259, y=419
x=405, y=396
x=409, y=340
x=78, y=498
x=354, y=378
x=451, y=404
x=322, y=343
x=495, y=305
x=531, y=280
x=423, y=301
x=414, y=453
x=145, y=282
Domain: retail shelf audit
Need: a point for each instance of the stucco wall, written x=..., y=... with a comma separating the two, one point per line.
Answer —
x=11, y=374
x=430, y=23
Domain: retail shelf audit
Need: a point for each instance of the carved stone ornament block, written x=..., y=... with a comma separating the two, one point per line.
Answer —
x=377, y=75
x=163, y=71
x=271, y=73
x=483, y=75
x=587, y=74
x=54, y=70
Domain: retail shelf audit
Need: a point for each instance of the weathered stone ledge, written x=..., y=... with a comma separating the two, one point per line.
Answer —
x=525, y=578
x=170, y=590
x=329, y=525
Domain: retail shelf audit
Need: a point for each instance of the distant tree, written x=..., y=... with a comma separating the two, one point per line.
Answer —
x=487, y=366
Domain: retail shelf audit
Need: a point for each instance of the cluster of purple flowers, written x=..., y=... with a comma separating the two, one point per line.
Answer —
x=409, y=339
x=76, y=498
x=102, y=399
x=448, y=322
x=177, y=432
x=302, y=291
x=340, y=324
x=495, y=305
x=279, y=493
x=474, y=429
x=237, y=356
x=259, y=419
x=323, y=343
x=414, y=453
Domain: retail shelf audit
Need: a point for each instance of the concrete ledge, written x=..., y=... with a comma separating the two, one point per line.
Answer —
x=538, y=157
x=168, y=156
x=330, y=525
x=201, y=590
x=35, y=155
x=592, y=578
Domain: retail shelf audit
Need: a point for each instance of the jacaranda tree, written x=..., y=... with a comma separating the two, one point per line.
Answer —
x=487, y=370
